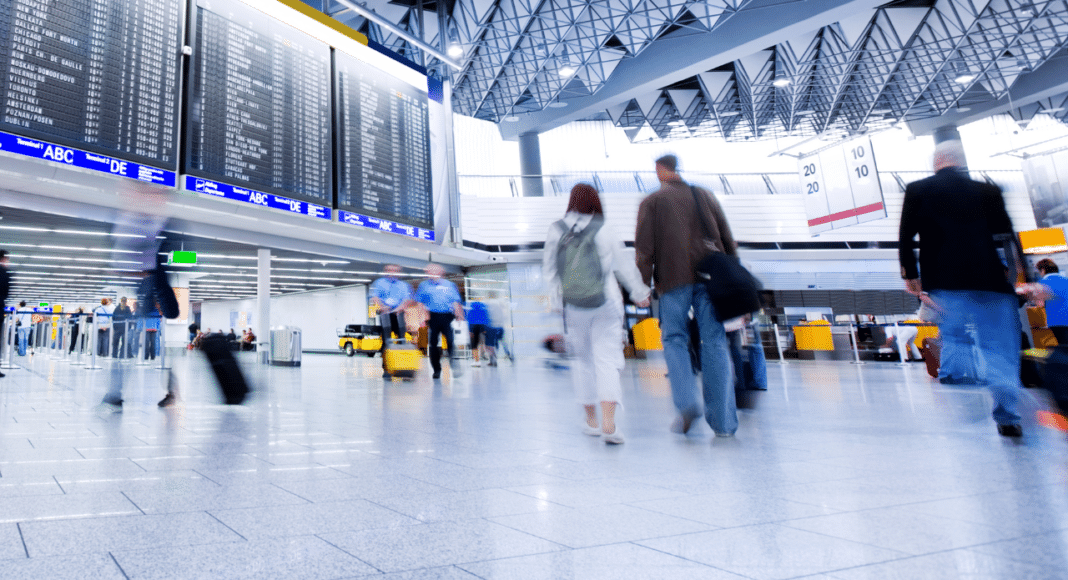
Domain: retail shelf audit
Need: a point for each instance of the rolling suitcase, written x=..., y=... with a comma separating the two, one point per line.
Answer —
x=402, y=358
x=227, y=372
x=932, y=354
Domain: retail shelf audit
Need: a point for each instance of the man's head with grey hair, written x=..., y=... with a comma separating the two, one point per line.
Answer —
x=949, y=154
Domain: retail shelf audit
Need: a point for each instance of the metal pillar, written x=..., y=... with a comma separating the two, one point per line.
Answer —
x=263, y=302
x=9, y=342
x=530, y=164
x=856, y=345
x=93, y=338
x=778, y=344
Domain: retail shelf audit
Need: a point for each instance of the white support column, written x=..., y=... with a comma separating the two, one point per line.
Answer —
x=263, y=303
x=456, y=234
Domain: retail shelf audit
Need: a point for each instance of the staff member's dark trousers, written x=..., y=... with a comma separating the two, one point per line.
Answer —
x=439, y=323
x=390, y=324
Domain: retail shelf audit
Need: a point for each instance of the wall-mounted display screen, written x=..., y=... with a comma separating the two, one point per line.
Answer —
x=101, y=76
x=259, y=103
x=383, y=143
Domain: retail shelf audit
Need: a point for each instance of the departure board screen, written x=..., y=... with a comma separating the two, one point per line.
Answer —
x=99, y=75
x=384, y=144
x=259, y=104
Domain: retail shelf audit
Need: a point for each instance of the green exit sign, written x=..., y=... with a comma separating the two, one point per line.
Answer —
x=44, y=305
x=183, y=258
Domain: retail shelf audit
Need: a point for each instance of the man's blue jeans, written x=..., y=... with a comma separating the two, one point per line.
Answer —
x=719, y=404
x=957, y=357
x=997, y=341
x=24, y=339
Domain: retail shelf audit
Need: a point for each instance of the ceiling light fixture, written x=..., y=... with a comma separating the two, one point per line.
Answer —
x=557, y=105
x=964, y=79
x=567, y=71
x=510, y=119
x=781, y=83
x=455, y=51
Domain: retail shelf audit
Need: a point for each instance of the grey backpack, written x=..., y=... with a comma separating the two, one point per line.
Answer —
x=579, y=265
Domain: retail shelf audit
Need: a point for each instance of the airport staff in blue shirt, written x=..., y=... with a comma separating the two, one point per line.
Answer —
x=442, y=299
x=1056, y=304
x=390, y=296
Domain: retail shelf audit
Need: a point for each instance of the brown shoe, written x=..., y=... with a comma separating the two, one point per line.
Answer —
x=682, y=424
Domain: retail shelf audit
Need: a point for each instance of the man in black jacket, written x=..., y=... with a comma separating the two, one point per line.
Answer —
x=957, y=219
x=5, y=288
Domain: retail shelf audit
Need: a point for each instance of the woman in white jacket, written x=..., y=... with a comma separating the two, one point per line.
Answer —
x=582, y=262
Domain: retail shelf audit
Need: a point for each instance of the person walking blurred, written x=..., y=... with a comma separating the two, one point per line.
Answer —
x=24, y=319
x=390, y=296
x=1057, y=306
x=669, y=243
x=495, y=330
x=957, y=220
x=102, y=316
x=581, y=265
x=478, y=320
x=150, y=323
x=137, y=237
x=441, y=298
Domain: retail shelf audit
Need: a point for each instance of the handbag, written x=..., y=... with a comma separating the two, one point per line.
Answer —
x=733, y=290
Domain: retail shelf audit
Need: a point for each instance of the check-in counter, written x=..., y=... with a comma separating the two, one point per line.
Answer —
x=815, y=335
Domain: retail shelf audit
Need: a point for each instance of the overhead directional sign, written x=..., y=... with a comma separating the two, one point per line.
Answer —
x=355, y=219
x=262, y=199
x=91, y=161
x=841, y=186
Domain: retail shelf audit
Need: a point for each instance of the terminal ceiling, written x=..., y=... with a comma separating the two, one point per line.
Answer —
x=740, y=69
x=69, y=261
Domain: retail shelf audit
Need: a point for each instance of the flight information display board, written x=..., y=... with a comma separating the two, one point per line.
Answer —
x=383, y=144
x=259, y=104
x=100, y=76
x=841, y=186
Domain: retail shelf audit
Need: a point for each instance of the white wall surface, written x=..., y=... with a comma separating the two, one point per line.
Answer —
x=318, y=314
x=753, y=218
x=480, y=149
x=590, y=146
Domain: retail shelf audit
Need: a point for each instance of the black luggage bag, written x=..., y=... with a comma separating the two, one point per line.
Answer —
x=224, y=365
x=1055, y=377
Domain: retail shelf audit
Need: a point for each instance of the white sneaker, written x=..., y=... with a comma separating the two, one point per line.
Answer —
x=613, y=438
x=591, y=431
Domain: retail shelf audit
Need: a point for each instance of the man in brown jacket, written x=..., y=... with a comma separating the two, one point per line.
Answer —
x=669, y=243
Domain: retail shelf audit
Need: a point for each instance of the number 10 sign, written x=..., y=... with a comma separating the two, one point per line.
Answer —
x=841, y=186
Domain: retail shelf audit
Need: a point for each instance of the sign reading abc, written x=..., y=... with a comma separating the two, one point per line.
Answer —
x=217, y=189
x=355, y=219
x=91, y=161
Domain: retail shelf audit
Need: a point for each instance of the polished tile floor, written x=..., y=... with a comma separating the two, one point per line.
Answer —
x=842, y=472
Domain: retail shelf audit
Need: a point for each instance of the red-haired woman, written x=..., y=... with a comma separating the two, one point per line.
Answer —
x=582, y=262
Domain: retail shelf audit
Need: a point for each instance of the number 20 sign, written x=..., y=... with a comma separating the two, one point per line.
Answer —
x=841, y=186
